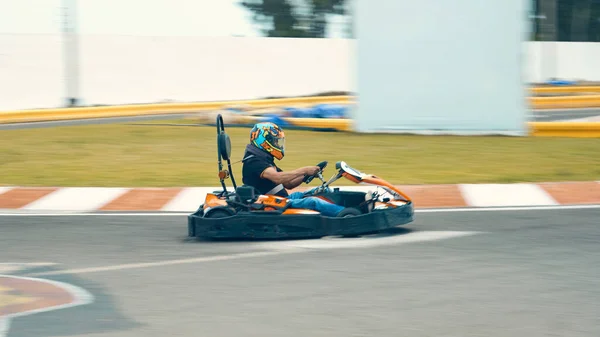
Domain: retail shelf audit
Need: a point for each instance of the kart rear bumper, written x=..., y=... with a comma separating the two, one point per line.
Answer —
x=245, y=225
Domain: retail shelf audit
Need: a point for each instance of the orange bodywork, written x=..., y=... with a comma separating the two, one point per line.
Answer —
x=212, y=200
x=272, y=201
x=351, y=178
x=380, y=204
x=373, y=180
x=380, y=182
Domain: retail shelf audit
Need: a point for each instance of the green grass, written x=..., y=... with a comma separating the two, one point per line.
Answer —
x=158, y=156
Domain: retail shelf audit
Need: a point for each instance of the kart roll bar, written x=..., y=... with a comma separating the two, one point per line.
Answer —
x=224, y=152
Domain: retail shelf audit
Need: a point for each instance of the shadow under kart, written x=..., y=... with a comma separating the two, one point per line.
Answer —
x=246, y=214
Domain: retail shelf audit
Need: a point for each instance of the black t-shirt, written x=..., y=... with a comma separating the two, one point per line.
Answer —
x=253, y=167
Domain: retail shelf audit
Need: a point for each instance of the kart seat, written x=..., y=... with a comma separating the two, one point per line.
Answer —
x=247, y=194
x=224, y=146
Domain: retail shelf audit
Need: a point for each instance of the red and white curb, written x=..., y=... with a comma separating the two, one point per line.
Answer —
x=86, y=199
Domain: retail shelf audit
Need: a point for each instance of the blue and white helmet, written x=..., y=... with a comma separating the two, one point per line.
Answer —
x=270, y=138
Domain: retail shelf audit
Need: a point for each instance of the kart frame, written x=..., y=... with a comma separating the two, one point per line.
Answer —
x=243, y=213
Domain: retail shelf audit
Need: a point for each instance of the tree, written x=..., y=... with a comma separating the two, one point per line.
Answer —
x=294, y=18
x=567, y=20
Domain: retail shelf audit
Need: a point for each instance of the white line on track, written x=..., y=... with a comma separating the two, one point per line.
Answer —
x=11, y=267
x=160, y=263
x=427, y=210
x=280, y=248
x=510, y=208
x=28, y=264
x=4, y=326
x=367, y=242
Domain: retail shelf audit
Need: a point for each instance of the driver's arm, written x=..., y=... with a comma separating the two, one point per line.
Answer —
x=289, y=178
x=294, y=183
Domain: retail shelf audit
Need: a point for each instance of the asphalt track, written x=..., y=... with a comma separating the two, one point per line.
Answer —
x=528, y=272
x=536, y=115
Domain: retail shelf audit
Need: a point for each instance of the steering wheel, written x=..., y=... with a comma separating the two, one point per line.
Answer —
x=321, y=165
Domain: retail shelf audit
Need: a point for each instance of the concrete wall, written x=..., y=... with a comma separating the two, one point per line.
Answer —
x=124, y=69
x=132, y=69
x=563, y=60
x=439, y=74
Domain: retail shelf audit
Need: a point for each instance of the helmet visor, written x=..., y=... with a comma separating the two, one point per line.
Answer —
x=279, y=143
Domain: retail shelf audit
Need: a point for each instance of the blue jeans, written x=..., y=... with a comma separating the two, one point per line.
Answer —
x=315, y=204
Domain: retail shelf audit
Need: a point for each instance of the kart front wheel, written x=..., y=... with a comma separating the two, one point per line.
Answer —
x=349, y=212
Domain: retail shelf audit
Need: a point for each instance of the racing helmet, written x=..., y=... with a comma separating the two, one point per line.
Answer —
x=270, y=138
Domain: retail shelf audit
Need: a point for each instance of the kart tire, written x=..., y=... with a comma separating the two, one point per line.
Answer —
x=348, y=212
x=218, y=213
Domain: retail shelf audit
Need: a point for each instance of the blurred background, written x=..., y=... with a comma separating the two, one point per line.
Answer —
x=444, y=65
x=552, y=20
x=67, y=52
x=566, y=20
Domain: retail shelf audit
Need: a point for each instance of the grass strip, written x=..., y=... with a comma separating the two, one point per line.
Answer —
x=165, y=156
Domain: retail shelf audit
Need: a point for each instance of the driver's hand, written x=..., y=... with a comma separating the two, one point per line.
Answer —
x=311, y=170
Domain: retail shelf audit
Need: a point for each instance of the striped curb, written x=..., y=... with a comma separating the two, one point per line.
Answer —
x=88, y=199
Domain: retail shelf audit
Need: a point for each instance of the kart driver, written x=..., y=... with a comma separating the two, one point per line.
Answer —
x=267, y=141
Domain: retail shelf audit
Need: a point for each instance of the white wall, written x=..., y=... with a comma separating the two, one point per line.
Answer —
x=31, y=72
x=124, y=69
x=563, y=60
x=129, y=69
x=440, y=74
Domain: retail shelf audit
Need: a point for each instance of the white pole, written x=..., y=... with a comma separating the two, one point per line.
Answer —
x=71, y=64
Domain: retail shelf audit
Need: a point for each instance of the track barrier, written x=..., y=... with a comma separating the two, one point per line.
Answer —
x=303, y=119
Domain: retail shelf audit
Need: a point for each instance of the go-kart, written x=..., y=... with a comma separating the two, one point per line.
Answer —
x=244, y=213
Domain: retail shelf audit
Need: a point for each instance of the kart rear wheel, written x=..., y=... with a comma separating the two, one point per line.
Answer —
x=218, y=213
